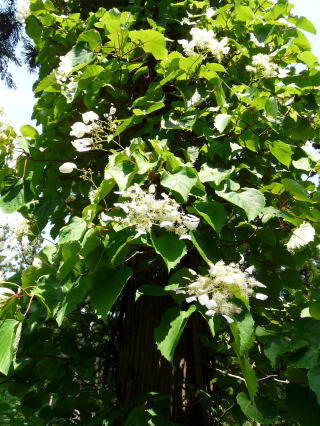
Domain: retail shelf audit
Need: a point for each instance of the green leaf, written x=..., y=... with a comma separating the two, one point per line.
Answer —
x=243, y=13
x=250, y=200
x=8, y=331
x=249, y=408
x=123, y=173
x=315, y=310
x=152, y=42
x=208, y=174
x=91, y=71
x=243, y=332
x=180, y=182
x=308, y=58
x=249, y=376
x=107, y=286
x=168, y=333
x=28, y=131
x=170, y=121
x=78, y=57
x=73, y=298
x=74, y=231
x=170, y=248
x=221, y=121
x=16, y=198
x=296, y=190
x=92, y=37
x=276, y=344
x=314, y=381
x=213, y=213
x=250, y=140
x=48, y=292
x=306, y=25
x=270, y=212
x=46, y=83
x=282, y=151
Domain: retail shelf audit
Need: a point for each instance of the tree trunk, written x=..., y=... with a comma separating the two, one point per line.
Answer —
x=142, y=369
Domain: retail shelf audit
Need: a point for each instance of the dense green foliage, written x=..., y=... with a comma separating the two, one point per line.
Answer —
x=223, y=136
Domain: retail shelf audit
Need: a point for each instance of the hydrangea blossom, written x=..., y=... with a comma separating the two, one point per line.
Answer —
x=222, y=283
x=23, y=11
x=261, y=64
x=204, y=40
x=144, y=210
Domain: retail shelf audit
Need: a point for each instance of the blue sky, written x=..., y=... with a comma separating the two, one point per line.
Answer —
x=18, y=103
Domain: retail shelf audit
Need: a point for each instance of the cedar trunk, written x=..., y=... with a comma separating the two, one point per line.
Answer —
x=142, y=369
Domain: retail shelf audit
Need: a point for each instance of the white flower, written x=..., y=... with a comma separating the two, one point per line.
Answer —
x=83, y=145
x=301, y=236
x=105, y=218
x=89, y=117
x=191, y=299
x=255, y=40
x=166, y=224
x=67, y=167
x=143, y=211
x=262, y=64
x=79, y=129
x=223, y=283
x=261, y=296
x=228, y=319
x=185, y=237
x=190, y=221
x=203, y=299
x=37, y=263
x=203, y=39
x=112, y=111
x=210, y=12
x=23, y=11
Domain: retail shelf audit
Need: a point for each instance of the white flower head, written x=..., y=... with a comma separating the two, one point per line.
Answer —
x=89, y=117
x=204, y=40
x=223, y=283
x=67, y=167
x=143, y=210
x=261, y=64
x=23, y=11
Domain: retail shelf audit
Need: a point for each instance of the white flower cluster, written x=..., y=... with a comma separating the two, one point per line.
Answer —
x=99, y=131
x=144, y=210
x=23, y=11
x=223, y=283
x=18, y=245
x=261, y=64
x=205, y=40
x=5, y=295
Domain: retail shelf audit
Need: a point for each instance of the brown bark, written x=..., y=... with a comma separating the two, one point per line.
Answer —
x=142, y=369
